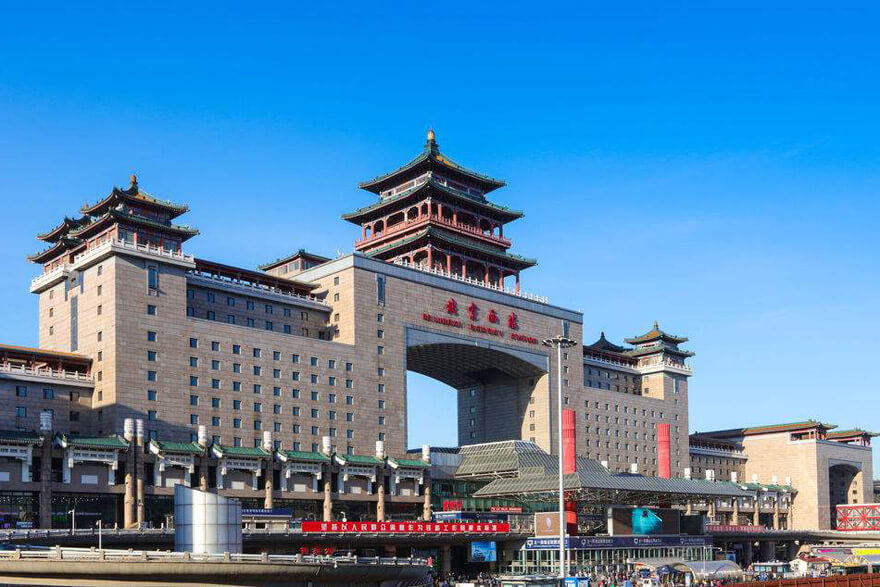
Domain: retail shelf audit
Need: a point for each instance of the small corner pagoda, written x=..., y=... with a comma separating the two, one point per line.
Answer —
x=644, y=349
x=128, y=215
x=433, y=214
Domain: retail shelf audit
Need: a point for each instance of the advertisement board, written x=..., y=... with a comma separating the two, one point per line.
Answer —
x=625, y=521
x=547, y=524
x=405, y=527
x=591, y=542
x=483, y=552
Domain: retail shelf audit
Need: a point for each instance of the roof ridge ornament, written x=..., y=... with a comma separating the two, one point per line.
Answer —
x=134, y=182
x=431, y=144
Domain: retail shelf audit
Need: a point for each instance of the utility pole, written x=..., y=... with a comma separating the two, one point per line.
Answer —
x=560, y=342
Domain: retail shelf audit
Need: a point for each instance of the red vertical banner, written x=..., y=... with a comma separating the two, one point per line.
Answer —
x=664, y=470
x=569, y=465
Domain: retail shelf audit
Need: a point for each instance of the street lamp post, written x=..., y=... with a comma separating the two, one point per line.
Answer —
x=99, y=524
x=72, y=520
x=560, y=342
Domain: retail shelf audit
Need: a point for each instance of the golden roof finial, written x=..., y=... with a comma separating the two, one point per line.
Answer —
x=431, y=137
x=134, y=180
x=656, y=325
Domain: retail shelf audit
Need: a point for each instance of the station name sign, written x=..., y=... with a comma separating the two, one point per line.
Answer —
x=405, y=527
x=589, y=542
x=489, y=324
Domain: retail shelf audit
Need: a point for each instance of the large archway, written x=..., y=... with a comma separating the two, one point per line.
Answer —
x=843, y=487
x=494, y=384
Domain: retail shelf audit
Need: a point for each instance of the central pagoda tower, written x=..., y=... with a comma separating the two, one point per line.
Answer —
x=433, y=214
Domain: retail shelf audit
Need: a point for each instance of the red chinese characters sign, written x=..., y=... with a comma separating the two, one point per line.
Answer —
x=473, y=313
x=405, y=527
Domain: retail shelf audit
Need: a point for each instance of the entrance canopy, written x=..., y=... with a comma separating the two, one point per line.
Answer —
x=701, y=570
x=522, y=471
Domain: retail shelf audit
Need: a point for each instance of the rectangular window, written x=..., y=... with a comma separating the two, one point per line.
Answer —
x=236, y=349
x=236, y=423
x=21, y=412
x=215, y=365
x=151, y=415
x=193, y=400
x=193, y=418
x=153, y=277
x=151, y=309
x=151, y=336
x=236, y=404
x=151, y=375
x=236, y=386
x=48, y=393
x=193, y=381
x=258, y=388
x=250, y=305
x=20, y=391
x=258, y=407
x=193, y=343
x=151, y=395
x=151, y=355
x=380, y=289
x=210, y=298
x=230, y=301
x=258, y=425
x=215, y=421
x=215, y=384
x=294, y=358
x=257, y=353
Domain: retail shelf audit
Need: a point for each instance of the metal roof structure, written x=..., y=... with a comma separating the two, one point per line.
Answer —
x=520, y=470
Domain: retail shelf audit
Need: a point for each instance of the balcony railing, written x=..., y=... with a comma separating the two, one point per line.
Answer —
x=97, y=251
x=408, y=224
x=468, y=280
x=60, y=374
x=665, y=363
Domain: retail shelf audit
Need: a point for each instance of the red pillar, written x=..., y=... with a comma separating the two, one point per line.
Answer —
x=569, y=465
x=517, y=282
x=454, y=216
x=430, y=258
x=448, y=263
x=486, y=279
x=363, y=232
x=663, y=457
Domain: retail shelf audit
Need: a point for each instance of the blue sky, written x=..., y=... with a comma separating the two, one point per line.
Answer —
x=710, y=168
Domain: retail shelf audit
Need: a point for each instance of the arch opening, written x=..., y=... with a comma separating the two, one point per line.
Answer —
x=495, y=389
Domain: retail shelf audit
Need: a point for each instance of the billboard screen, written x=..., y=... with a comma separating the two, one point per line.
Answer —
x=483, y=552
x=547, y=524
x=644, y=521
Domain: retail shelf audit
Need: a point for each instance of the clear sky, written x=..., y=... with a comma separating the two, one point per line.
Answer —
x=708, y=167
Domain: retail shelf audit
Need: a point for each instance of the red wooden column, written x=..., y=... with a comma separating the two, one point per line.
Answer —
x=448, y=263
x=430, y=257
x=363, y=231
x=486, y=279
x=455, y=216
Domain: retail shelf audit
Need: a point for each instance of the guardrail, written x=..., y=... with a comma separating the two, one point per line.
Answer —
x=118, y=555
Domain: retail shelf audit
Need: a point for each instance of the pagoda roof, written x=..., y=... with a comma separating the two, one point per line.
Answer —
x=768, y=429
x=108, y=217
x=20, y=437
x=190, y=448
x=222, y=450
x=299, y=455
x=656, y=334
x=658, y=348
x=430, y=158
x=63, y=244
x=300, y=254
x=59, y=231
x=359, y=460
x=604, y=345
x=505, y=213
x=36, y=353
x=408, y=463
x=100, y=442
x=852, y=433
x=439, y=234
x=135, y=196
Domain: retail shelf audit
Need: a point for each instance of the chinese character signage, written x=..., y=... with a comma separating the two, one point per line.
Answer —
x=475, y=316
x=405, y=527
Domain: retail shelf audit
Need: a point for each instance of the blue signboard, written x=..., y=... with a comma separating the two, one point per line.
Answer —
x=590, y=542
x=483, y=552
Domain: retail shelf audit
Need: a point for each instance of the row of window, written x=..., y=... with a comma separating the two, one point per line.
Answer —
x=250, y=305
x=257, y=353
